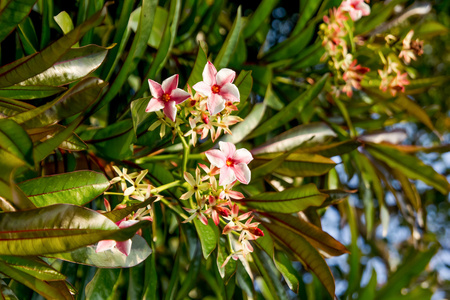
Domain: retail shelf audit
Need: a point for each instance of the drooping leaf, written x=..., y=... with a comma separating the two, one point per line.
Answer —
x=208, y=235
x=244, y=83
x=57, y=228
x=291, y=110
x=291, y=200
x=37, y=63
x=333, y=149
x=12, y=13
x=303, y=251
x=112, y=258
x=415, y=110
x=302, y=135
x=75, y=64
x=33, y=266
x=250, y=122
x=79, y=188
x=230, y=43
x=411, y=166
x=299, y=164
x=72, y=102
x=40, y=286
x=29, y=92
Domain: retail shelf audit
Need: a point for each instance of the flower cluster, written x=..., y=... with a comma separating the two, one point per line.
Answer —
x=335, y=32
x=214, y=200
x=208, y=111
x=410, y=49
x=392, y=79
x=136, y=190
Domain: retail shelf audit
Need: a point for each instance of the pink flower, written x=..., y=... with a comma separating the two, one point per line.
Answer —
x=355, y=8
x=124, y=247
x=218, y=87
x=166, y=96
x=231, y=162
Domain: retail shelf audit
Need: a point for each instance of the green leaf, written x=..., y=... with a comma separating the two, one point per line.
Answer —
x=299, y=164
x=332, y=149
x=110, y=258
x=291, y=200
x=103, y=283
x=42, y=287
x=37, y=63
x=199, y=65
x=319, y=239
x=429, y=29
x=11, y=107
x=415, y=110
x=138, y=112
x=242, y=129
x=368, y=292
x=28, y=37
x=16, y=148
x=413, y=266
x=29, y=92
x=75, y=64
x=291, y=110
x=303, y=251
x=65, y=22
x=72, y=102
x=12, y=13
x=6, y=292
x=191, y=276
x=244, y=83
x=269, y=166
x=230, y=268
x=45, y=148
x=307, y=12
x=78, y=188
x=230, y=43
x=291, y=275
x=72, y=143
x=57, y=228
x=258, y=17
x=208, y=235
x=33, y=266
x=410, y=166
x=302, y=135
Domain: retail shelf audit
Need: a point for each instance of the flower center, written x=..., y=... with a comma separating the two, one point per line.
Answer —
x=230, y=162
x=215, y=89
x=165, y=97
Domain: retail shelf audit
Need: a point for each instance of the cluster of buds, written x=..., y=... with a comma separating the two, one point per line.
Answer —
x=410, y=49
x=334, y=32
x=214, y=200
x=131, y=184
x=208, y=110
x=392, y=79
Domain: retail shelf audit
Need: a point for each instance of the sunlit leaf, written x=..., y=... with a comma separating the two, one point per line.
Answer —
x=33, y=266
x=77, y=188
x=12, y=13
x=29, y=92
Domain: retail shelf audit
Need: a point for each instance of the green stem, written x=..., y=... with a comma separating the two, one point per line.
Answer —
x=169, y=205
x=165, y=187
x=113, y=193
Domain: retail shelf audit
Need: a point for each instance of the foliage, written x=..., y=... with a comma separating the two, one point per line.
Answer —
x=97, y=195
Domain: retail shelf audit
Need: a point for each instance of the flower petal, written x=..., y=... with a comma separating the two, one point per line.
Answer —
x=154, y=105
x=209, y=74
x=242, y=172
x=155, y=89
x=227, y=148
x=125, y=224
x=124, y=247
x=105, y=245
x=216, y=157
x=170, y=84
x=187, y=195
x=230, y=92
x=179, y=96
x=170, y=110
x=215, y=104
x=242, y=156
x=226, y=175
x=202, y=88
x=225, y=75
x=189, y=178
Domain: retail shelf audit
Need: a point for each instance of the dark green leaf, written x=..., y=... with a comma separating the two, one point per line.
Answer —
x=199, y=65
x=244, y=83
x=118, y=214
x=57, y=228
x=101, y=286
x=258, y=17
x=33, y=266
x=37, y=63
x=208, y=235
x=292, y=109
x=29, y=92
x=12, y=13
x=230, y=43
x=6, y=292
x=77, y=188
x=291, y=200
